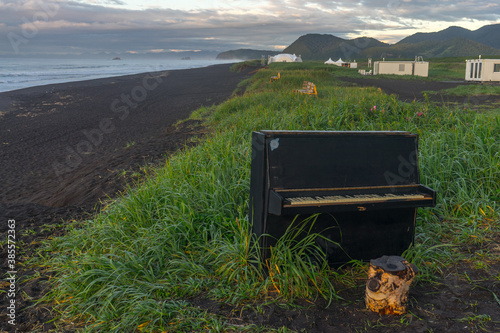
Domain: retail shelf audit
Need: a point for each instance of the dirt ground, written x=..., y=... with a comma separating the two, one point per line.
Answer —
x=61, y=160
x=413, y=90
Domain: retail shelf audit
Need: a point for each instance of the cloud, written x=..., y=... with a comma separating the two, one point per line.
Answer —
x=44, y=26
x=178, y=51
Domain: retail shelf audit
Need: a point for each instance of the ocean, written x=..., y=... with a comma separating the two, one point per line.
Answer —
x=24, y=72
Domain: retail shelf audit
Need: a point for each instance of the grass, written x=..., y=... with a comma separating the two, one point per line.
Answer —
x=182, y=234
x=441, y=69
x=472, y=90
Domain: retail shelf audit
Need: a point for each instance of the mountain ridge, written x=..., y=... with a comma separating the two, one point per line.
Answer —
x=317, y=46
x=452, y=41
x=484, y=35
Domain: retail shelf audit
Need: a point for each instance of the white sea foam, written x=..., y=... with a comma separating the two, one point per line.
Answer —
x=24, y=73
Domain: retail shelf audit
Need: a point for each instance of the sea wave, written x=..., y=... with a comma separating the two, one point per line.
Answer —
x=23, y=73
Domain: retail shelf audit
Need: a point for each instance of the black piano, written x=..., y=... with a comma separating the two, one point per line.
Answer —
x=364, y=185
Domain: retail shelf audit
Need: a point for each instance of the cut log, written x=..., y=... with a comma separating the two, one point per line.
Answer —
x=388, y=284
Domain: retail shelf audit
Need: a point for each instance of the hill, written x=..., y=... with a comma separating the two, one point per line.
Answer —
x=456, y=47
x=245, y=54
x=321, y=47
x=443, y=35
x=451, y=42
x=487, y=35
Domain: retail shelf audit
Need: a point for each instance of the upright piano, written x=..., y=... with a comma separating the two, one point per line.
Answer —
x=362, y=188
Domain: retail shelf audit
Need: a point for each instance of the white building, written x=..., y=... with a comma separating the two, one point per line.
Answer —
x=341, y=63
x=482, y=70
x=284, y=57
x=417, y=67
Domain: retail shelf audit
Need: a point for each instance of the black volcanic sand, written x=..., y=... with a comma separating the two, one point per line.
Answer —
x=66, y=147
x=55, y=137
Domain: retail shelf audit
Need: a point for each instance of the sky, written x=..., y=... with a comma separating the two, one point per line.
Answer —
x=59, y=27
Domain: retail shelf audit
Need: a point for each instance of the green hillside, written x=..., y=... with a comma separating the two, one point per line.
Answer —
x=457, y=47
x=450, y=42
x=487, y=35
x=322, y=47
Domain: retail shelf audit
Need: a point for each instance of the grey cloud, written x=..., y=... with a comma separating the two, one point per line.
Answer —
x=41, y=26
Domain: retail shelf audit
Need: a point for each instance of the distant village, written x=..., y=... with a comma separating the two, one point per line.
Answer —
x=480, y=70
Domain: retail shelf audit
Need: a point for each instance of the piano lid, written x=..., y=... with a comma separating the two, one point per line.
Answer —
x=321, y=159
x=270, y=133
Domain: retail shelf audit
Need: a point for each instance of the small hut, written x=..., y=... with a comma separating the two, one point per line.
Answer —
x=418, y=67
x=482, y=70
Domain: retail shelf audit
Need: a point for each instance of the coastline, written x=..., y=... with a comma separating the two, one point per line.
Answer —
x=67, y=148
x=54, y=130
x=24, y=73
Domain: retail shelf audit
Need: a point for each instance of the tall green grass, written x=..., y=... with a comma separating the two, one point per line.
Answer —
x=183, y=234
x=440, y=69
x=472, y=90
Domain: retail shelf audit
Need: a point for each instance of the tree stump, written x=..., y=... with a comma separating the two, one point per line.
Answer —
x=388, y=284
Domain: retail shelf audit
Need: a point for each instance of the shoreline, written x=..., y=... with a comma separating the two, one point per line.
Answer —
x=39, y=87
x=51, y=132
x=76, y=73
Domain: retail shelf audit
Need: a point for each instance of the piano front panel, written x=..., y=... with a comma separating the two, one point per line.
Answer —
x=352, y=235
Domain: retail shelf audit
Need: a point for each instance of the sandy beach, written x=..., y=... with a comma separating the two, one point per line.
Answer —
x=54, y=134
x=67, y=147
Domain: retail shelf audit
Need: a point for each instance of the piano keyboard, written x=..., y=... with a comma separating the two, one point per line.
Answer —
x=356, y=198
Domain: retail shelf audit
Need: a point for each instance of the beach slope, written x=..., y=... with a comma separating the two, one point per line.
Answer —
x=66, y=148
x=59, y=136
